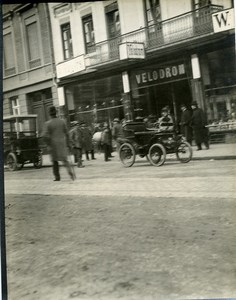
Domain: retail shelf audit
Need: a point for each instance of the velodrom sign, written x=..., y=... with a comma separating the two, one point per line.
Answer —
x=223, y=20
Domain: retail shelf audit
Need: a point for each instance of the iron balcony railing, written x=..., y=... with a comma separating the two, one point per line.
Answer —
x=185, y=26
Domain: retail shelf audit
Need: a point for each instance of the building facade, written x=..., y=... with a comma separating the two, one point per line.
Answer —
x=28, y=65
x=130, y=58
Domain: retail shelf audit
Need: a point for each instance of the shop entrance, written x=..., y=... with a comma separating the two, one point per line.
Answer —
x=150, y=100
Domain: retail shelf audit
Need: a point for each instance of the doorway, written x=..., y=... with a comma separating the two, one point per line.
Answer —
x=150, y=100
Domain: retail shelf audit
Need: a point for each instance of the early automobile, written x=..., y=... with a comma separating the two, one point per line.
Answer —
x=154, y=144
x=21, y=142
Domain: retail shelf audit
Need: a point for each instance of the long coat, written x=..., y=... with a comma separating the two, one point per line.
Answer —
x=198, y=123
x=87, y=139
x=76, y=137
x=56, y=137
x=185, y=124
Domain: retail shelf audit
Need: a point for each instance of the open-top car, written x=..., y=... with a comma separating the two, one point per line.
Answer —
x=152, y=143
x=21, y=142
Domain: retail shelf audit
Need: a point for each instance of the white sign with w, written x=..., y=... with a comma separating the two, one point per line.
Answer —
x=223, y=20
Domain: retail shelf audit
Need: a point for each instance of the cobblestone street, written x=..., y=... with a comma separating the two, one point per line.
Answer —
x=122, y=233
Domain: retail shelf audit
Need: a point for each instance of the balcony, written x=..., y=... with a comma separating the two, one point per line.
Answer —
x=180, y=28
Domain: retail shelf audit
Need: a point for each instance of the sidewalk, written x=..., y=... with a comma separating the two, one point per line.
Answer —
x=216, y=152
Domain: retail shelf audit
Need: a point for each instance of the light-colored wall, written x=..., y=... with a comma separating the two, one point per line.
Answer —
x=172, y=8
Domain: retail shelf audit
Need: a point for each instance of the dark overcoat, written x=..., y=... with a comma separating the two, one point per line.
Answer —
x=56, y=137
x=198, y=123
x=87, y=139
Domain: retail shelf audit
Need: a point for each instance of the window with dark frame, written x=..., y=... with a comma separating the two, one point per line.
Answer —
x=33, y=46
x=153, y=12
x=88, y=33
x=8, y=55
x=67, y=41
x=113, y=20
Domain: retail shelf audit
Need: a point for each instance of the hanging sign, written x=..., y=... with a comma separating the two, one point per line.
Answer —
x=223, y=20
x=132, y=51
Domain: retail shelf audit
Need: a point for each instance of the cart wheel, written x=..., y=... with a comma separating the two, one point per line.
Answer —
x=127, y=154
x=157, y=155
x=184, y=152
x=38, y=161
x=12, y=162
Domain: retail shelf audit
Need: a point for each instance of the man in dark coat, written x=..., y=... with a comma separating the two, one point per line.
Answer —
x=88, y=146
x=117, y=132
x=198, y=123
x=185, y=124
x=57, y=139
x=76, y=139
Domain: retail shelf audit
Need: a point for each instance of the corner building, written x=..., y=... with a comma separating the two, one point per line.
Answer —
x=130, y=58
x=28, y=65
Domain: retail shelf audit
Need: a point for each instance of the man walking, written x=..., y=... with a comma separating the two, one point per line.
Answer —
x=185, y=124
x=198, y=123
x=57, y=139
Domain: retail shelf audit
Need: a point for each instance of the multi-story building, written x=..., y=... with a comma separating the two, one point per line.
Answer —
x=128, y=58
x=28, y=70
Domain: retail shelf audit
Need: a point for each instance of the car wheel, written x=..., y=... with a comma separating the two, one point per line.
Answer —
x=12, y=162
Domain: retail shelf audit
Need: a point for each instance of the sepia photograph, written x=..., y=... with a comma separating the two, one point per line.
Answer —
x=118, y=157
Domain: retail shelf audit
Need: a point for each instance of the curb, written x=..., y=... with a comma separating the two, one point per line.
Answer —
x=229, y=157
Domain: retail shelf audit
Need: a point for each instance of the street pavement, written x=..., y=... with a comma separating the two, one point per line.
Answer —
x=138, y=233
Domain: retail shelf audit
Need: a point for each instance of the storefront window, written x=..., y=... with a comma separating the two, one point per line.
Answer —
x=219, y=79
x=97, y=101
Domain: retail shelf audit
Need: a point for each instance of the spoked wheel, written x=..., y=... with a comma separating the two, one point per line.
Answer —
x=157, y=155
x=127, y=154
x=184, y=152
x=12, y=162
x=38, y=161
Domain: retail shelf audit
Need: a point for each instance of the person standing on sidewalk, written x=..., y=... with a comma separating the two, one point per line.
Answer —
x=185, y=124
x=106, y=141
x=56, y=137
x=198, y=123
x=76, y=139
x=88, y=141
x=117, y=132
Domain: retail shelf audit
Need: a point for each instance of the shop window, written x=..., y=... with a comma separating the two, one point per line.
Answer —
x=67, y=41
x=88, y=34
x=32, y=40
x=8, y=55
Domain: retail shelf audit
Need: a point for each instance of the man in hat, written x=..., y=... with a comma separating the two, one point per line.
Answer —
x=117, y=132
x=185, y=123
x=76, y=138
x=198, y=123
x=57, y=139
x=166, y=122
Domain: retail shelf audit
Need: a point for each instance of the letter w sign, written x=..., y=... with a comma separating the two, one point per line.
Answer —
x=223, y=20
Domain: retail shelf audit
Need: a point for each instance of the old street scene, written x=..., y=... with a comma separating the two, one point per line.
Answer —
x=119, y=131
